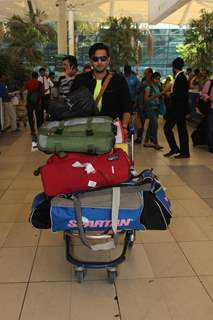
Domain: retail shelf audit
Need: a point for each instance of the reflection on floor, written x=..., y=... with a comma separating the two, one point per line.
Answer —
x=198, y=178
x=168, y=275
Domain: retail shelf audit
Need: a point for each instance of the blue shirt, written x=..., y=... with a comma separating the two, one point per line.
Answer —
x=4, y=92
x=133, y=84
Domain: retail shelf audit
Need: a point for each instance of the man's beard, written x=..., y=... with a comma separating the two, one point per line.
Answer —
x=100, y=70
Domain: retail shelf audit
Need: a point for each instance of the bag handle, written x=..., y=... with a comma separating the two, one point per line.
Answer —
x=60, y=128
x=104, y=86
x=115, y=210
x=89, y=130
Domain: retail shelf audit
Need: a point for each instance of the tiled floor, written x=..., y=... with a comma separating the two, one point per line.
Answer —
x=168, y=275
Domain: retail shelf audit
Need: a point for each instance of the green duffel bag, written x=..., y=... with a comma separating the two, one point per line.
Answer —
x=94, y=135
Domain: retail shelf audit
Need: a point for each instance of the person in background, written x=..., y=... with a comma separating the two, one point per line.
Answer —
x=34, y=100
x=115, y=101
x=152, y=95
x=207, y=95
x=147, y=80
x=194, y=91
x=204, y=77
x=189, y=75
x=10, y=119
x=51, y=79
x=87, y=68
x=45, y=97
x=177, y=112
x=65, y=82
x=133, y=83
x=53, y=85
x=167, y=90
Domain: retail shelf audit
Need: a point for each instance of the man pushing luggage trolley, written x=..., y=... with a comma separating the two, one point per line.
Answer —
x=90, y=190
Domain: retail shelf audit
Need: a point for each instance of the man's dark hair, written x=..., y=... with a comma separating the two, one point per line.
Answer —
x=196, y=71
x=98, y=46
x=127, y=69
x=86, y=67
x=42, y=69
x=150, y=70
x=35, y=75
x=156, y=75
x=189, y=70
x=206, y=70
x=51, y=74
x=178, y=63
x=72, y=60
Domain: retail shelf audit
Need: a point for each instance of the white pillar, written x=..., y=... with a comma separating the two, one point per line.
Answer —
x=62, y=27
x=71, y=34
x=112, y=8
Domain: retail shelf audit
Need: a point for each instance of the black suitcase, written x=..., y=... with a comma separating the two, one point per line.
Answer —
x=199, y=135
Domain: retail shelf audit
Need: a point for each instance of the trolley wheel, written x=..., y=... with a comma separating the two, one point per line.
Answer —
x=80, y=275
x=112, y=275
x=64, y=236
x=132, y=240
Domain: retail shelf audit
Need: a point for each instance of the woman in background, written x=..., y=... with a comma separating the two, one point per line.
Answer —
x=152, y=96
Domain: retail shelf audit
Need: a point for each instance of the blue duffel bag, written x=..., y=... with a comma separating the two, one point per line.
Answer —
x=136, y=205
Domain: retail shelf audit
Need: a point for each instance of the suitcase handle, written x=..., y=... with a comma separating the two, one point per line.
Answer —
x=59, y=131
x=89, y=130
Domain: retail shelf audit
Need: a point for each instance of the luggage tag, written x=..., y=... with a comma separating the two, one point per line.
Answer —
x=113, y=157
x=88, y=167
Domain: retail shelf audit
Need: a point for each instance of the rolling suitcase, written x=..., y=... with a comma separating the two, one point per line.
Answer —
x=199, y=135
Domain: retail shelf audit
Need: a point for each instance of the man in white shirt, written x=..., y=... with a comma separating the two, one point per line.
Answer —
x=45, y=89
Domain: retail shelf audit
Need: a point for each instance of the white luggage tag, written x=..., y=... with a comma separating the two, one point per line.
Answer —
x=88, y=167
x=34, y=146
x=119, y=138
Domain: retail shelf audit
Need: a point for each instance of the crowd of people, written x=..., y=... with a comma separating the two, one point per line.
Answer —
x=123, y=97
x=178, y=96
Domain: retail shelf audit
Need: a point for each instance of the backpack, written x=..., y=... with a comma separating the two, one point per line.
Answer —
x=78, y=103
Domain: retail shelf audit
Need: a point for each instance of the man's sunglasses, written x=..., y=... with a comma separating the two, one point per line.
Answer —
x=100, y=58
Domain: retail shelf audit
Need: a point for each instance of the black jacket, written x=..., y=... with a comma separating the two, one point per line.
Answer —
x=116, y=98
x=179, y=96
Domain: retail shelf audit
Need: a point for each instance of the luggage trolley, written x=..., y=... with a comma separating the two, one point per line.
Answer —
x=111, y=267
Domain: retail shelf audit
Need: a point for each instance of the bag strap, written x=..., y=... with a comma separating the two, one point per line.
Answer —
x=104, y=86
x=115, y=211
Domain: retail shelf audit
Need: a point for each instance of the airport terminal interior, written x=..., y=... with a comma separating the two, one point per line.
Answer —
x=167, y=274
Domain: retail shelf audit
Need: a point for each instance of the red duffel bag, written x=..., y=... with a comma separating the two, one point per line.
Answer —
x=76, y=172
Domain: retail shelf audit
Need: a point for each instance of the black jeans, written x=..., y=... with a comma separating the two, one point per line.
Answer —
x=45, y=102
x=39, y=114
x=210, y=129
x=180, y=121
